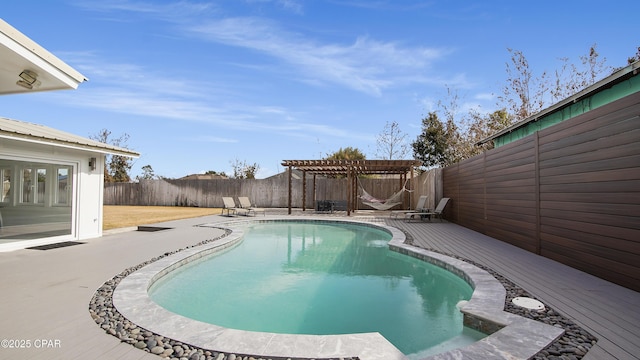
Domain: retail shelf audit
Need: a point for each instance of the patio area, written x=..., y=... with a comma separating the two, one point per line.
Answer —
x=45, y=298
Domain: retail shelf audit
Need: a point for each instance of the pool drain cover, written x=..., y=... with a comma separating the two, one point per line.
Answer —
x=528, y=303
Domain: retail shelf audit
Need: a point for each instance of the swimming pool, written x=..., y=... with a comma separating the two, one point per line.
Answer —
x=319, y=278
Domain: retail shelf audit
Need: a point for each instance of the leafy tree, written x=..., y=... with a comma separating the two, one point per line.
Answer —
x=454, y=143
x=392, y=142
x=481, y=126
x=243, y=170
x=347, y=153
x=430, y=147
x=119, y=168
x=116, y=167
x=147, y=173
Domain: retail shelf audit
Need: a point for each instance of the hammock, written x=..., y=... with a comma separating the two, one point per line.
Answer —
x=382, y=204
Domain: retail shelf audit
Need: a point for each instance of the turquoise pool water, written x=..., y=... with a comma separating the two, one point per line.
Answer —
x=321, y=278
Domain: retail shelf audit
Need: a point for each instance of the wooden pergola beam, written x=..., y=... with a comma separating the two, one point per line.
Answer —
x=349, y=168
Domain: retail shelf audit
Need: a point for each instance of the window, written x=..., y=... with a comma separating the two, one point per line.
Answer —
x=5, y=176
x=41, y=180
x=62, y=186
x=34, y=185
x=27, y=186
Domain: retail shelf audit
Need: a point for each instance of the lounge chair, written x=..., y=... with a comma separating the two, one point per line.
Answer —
x=420, y=207
x=229, y=206
x=428, y=214
x=245, y=204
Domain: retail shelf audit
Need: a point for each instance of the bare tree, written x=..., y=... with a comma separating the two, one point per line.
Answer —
x=571, y=79
x=243, y=170
x=447, y=142
x=450, y=109
x=116, y=167
x=523, y=94
x=635, y=57
x=392, y=142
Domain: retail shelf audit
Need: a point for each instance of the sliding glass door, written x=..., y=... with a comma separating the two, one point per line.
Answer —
x=36, y=200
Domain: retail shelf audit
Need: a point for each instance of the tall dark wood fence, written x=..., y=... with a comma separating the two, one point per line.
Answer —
x=570, y=192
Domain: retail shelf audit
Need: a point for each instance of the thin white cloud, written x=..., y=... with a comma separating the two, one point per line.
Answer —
x=171, y=99
x=294, y=6
x=365, y=65
x=213, y=139
x=485, y=96
x=167, y=11
x=385, y=4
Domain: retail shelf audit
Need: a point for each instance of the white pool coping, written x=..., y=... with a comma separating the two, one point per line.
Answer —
x=512, y=336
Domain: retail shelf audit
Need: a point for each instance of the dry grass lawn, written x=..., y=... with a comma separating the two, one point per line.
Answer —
x=126, y=216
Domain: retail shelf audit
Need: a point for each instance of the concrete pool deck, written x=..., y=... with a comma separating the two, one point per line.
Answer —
x=45, y=294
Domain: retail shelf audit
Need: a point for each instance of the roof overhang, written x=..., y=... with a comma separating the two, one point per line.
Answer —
x=40, y=134
x=609, y=81
x=19, y=53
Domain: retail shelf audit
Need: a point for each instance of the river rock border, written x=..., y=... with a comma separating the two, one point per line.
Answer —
x=574, y=344
x=105, y=314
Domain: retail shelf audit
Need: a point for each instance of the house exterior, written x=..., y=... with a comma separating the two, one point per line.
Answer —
x=52, y=181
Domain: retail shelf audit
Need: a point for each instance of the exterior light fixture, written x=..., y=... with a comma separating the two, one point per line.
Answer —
x=92, y=163
x=28, y=79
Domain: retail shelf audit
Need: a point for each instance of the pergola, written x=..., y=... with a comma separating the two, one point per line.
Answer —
x=351, y=169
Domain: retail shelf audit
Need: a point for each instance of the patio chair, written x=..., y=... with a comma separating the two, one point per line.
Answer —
x=245, y=203
x=428, y=214
x=229, y=206
x=420, y=207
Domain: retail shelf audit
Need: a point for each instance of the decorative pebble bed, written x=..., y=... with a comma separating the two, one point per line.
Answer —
x=573, y=345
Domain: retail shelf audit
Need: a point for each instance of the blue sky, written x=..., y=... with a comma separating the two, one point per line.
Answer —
x=199, y=84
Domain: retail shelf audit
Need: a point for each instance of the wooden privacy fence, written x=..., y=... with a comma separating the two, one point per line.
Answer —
x=269, y=193
x=570, y=192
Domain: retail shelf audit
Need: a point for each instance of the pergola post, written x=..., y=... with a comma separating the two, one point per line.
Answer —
x=411, y=186
x=304, y=190
x=290, y=176
x=349, y=191
x=354, y=187
x=314, y=190
x=404, y=196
